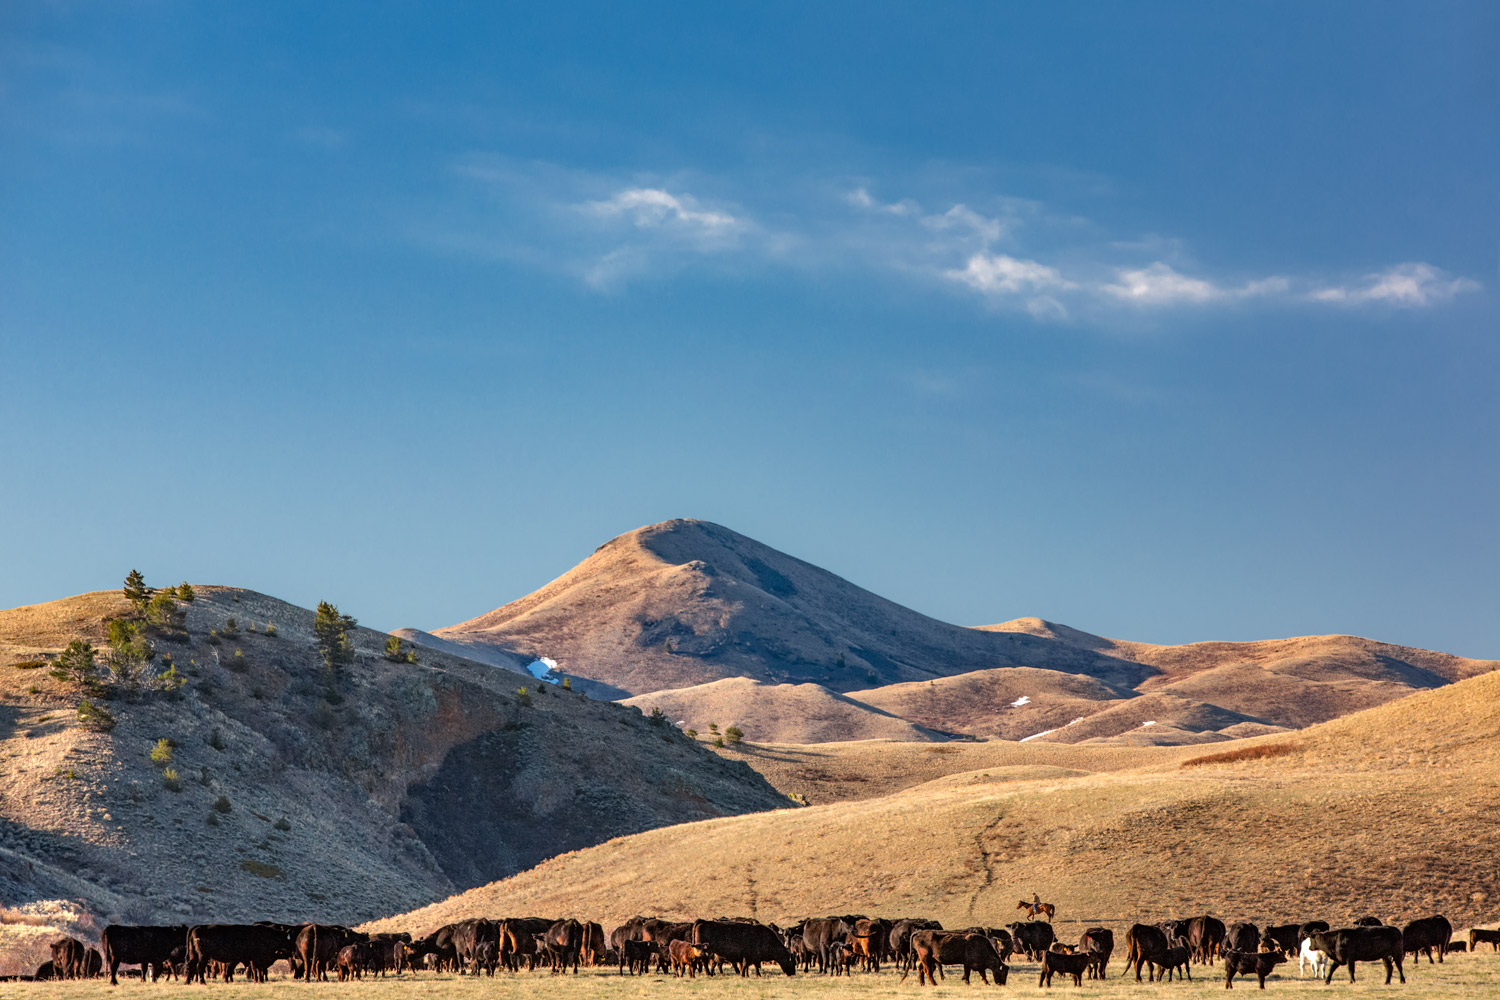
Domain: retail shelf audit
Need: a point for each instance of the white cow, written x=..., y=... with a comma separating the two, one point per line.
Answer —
x=1311, y=955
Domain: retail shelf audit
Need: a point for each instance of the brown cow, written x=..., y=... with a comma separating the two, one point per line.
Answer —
x=1481, y=935
x=974, y=951
x=685, y=957
x=67, y=957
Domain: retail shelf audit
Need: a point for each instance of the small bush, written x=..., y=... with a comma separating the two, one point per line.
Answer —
x=713, y=727
x=216, y=739
x=231, y=627
x=257, y=694
x=733, y=734
x=567, y=683
x=691, y=734
x=33, y=690
x=203, y=778
x=213, y=820
x=283, y=824
x=270, y=631
x=237, y=662
x=161, y=754
x=31, y=664
x=719, y=742
x=657, y=716
x=170, y=780
x=221, y=804
x=523, y=696
x=260, y=869
x=1244, y=753
x=213, y=637
x=185, y=593
x=93, y=717
x=250, y=627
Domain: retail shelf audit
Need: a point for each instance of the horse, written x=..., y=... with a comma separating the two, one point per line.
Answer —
x=1035, y=907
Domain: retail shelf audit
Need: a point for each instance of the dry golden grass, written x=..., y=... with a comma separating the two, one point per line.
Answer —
x=1390, y=811
x=1259, y=752
x=776, y=713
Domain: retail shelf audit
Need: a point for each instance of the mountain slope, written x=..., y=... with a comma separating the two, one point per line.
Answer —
x=777, y=713
x=1390, y=811
x=683, y=604
x=396, y=785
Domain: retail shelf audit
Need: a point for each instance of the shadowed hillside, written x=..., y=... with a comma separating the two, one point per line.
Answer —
x=1390, y=811
x=303, y=795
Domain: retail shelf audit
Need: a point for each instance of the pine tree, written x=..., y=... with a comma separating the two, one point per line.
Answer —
x=733, y=735
x=76, y=664
x=136, y=591
x=129, y=652
x=185, y=592
x=332, y=632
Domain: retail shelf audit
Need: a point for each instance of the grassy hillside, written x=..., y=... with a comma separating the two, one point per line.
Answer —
x=300, y=795
x=771, y=713
x=1390, y=811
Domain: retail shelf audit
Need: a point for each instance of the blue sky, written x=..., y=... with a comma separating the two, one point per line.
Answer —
x=1170, y=322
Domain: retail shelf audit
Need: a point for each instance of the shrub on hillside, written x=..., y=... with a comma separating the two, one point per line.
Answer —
x=216, y=739
x=1243, y=753
x=270, y=631
x=164, y=612
x=94, y=717
x=733, y=734
x=161, y=753
x=170, y=780
x=523, y=696
x=136, y=591
x=185, y=592
x=221, y=805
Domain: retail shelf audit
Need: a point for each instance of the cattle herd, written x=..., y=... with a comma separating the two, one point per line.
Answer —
x=838, y=945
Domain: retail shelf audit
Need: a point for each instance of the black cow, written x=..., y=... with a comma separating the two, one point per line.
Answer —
x=1206, y=938
x=1368, y=922
x=153, y=948
x=1249, y=963
x=1144, y=945
x=1098, y=943
x=1285, y=938
x=900, y=938
x=256, y=946
x=469, y=937
x=46, y=971
x=1348, y=945
x=1074, y=965
x=743, y=944
x=636, y=956
x=563, y=944
x=1428, y=934
x=318, y=946
x=820, y=933
x=1456, y=946
x=1242, y=937
x=518, y=940
x=1176, y=959
x=1033, y=938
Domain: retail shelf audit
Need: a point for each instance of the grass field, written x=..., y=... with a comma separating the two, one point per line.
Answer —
x=1461, y=976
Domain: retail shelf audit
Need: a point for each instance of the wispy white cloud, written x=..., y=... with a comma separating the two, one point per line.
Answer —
x=1015, y=254
x=1410, y=284
x=650, y=207
x=1159, y=284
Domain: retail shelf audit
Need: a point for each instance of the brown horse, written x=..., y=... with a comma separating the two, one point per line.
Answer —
x=1035, y=907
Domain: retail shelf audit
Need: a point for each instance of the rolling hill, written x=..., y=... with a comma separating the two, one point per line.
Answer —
x=1388, y=811
x=301, y=795
x=676, y=607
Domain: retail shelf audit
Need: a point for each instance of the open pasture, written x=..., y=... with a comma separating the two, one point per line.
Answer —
x=1460, y=976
